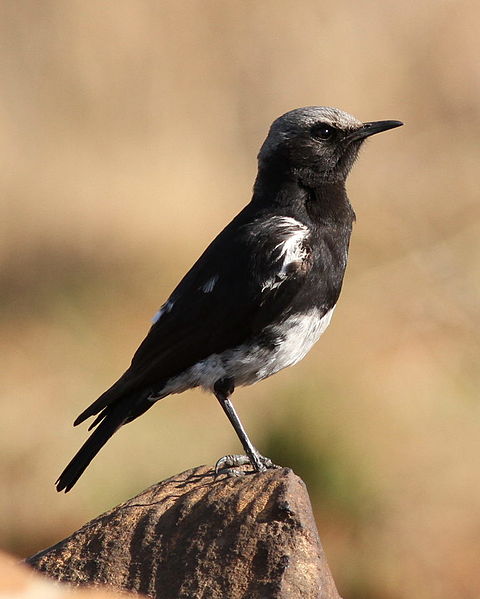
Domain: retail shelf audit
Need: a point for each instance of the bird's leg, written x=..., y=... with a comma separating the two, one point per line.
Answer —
x=223, y=388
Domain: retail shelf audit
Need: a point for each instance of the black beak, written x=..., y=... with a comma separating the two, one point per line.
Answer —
x=368, y=129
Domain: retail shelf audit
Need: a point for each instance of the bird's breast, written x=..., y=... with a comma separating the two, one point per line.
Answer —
x=280, y=345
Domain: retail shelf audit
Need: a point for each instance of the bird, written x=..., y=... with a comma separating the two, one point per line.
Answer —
x=260, y=295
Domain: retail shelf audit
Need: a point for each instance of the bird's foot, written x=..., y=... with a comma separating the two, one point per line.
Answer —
x=229, y=464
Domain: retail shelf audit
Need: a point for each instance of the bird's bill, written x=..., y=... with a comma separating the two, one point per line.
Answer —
x=372, y=128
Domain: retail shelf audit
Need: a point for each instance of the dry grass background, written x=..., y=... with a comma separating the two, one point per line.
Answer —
x=128, y=139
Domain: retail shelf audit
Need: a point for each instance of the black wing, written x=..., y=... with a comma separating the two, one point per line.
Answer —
x=237, y=286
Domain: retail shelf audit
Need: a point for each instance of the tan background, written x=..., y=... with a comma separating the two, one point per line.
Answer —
x=128, y=136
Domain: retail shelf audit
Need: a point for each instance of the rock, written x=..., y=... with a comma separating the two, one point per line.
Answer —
x=200, y=536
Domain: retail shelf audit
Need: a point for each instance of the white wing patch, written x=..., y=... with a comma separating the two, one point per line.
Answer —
x=167, y=306
x=290, y=250
x=208, y=286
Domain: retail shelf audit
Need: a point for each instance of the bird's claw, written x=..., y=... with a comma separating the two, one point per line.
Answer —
x=228, y=464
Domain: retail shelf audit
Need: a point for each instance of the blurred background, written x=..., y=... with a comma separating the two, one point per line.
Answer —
x=129, y=133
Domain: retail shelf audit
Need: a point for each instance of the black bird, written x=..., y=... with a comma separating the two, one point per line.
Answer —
x=263, y=291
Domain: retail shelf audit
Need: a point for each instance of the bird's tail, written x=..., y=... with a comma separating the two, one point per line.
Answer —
x=111, y=396
x=113, y=418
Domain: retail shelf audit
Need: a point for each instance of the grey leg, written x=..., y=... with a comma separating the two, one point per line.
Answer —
x=223, y=389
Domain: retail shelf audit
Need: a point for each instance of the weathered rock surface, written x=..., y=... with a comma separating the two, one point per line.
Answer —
x=200, y=536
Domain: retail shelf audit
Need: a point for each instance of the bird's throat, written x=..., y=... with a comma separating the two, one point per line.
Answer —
x=321, y=201
x=329, y=203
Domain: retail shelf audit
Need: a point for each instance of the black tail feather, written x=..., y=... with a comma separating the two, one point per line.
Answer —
x=99, y=418
x=108, y=421
x=109, y=397
x=111, y=423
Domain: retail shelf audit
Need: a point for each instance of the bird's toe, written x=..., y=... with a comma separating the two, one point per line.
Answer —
x=229, y=464
x=231, y=461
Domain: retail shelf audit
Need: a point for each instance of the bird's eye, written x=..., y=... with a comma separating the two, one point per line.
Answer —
x=323, y=131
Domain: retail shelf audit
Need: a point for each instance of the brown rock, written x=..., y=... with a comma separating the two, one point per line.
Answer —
x=197, y=536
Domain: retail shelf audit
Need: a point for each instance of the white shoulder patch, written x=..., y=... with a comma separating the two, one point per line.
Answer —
x=290, y=250
x=167, y=306
x=208, y=286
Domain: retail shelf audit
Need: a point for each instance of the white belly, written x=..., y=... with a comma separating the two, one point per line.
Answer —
x=296, y=337
x=249, y=363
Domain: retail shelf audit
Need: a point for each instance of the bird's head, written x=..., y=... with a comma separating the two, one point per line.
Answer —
x=317, y=143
